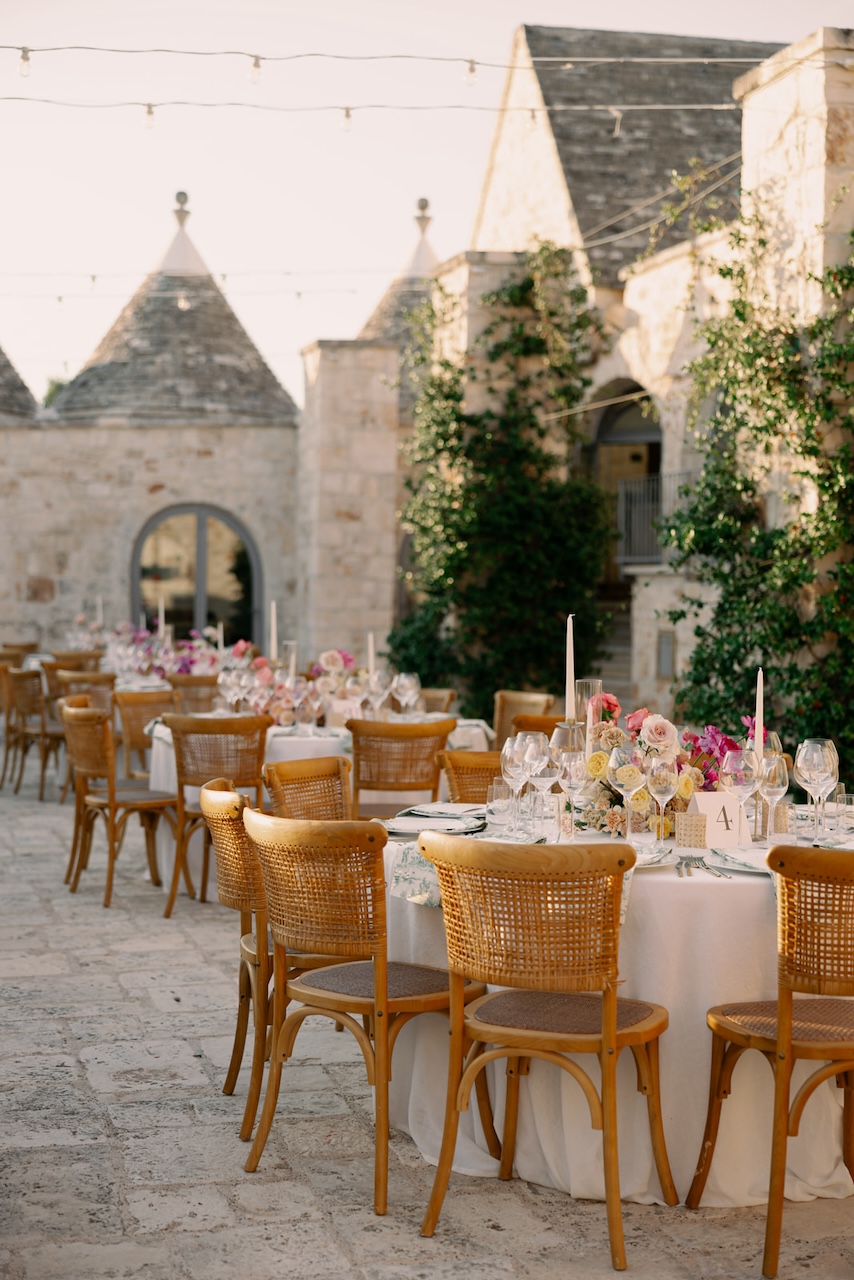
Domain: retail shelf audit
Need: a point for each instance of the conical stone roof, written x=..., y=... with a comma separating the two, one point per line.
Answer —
x=388, y=321
x=16, y=399
x=177, y=353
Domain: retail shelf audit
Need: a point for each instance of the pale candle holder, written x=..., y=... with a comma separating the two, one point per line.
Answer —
x=691, y=831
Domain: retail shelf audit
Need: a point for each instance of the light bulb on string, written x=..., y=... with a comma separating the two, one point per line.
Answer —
x=347, y=120
x=24, y=64
x=255, y=70
x=532, y=119
x=149, y=116
x=471, y=73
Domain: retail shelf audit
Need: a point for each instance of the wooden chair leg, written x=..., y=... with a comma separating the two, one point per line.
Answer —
x=713, y=1120
x=179, y=869
x=24, y=748
x=244, y=999
x=656, y=1124
x=848, y=1122
x=511, y=1119
x=611, y=1160
x=112, y=854
x=149, y=823
x=259, y=1054
x=451, y=1125
x=381, y=1120
x=779, y=1142
x=87, y=831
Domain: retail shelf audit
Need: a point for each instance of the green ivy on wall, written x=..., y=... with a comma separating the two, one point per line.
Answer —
x=508, y=534
x=769, y=525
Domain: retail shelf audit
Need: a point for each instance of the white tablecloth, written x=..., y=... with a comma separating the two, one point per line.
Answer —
x=687, y=944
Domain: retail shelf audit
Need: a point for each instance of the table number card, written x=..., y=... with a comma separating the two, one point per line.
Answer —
x=726, y=827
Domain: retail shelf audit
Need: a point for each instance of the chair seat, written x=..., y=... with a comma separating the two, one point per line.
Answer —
x=817, y=1024
x=137, y=796
x=560, y=1016
x=354, y=982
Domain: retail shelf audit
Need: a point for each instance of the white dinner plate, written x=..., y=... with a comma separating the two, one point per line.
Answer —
x=404, y=825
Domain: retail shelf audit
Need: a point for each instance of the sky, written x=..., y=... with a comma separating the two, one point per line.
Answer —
x=303, y=221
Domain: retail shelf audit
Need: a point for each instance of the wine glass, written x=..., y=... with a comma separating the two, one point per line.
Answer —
x=377, y=689
x=536, y=759
x=739, y=775
x=406, y=687
x=297, y=687
x=513, y=773
x=817, y=771
x=773, y=785
x=662, y=779
x=626, y=775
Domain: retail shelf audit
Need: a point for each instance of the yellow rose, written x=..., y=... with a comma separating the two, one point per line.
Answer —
x=639, y=802
x=667, y=829
x=685, y=786
x=628, y=776
x=597, y=764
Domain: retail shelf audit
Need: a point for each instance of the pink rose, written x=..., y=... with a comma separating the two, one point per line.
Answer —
x=259, y=663
x=660, y=736
x=636, y=719
x=240, y=647
x=610, y=707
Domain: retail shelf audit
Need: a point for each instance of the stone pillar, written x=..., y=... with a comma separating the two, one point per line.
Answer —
x=798, y=158
x=348, y=464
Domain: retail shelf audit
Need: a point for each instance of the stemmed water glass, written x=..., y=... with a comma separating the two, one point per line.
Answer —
x=522, y=755
x=817, y=771
x=297, y=687
x=662, y=779
x=739, y=775
x=773, y=785
x=626, y=775
x=406, y=687
x=567, y=751
x=378, y=687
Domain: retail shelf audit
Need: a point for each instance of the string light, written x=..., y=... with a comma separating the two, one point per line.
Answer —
x=532, y=119
x=471, y=73
x=618, y=120
x=149, y=115
x=347, y=120
x=24, y=64
x=255, y=72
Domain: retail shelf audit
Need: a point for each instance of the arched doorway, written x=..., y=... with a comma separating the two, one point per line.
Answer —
x=204, y=566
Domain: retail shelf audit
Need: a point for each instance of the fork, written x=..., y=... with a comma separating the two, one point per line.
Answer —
x=702, y=865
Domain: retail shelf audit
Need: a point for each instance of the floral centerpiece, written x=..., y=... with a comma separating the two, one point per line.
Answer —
x=599, y=807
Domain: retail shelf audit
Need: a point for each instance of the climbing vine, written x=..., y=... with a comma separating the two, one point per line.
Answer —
x=508, y=534
x=769, y=525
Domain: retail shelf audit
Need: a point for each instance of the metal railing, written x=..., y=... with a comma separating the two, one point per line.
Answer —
x=641, y=504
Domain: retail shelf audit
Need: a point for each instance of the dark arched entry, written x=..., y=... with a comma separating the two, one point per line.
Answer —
x=628, y=462
x=204, y=565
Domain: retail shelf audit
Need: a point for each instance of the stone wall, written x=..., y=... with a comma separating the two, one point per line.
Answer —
x=75, y=498
x=348, y=478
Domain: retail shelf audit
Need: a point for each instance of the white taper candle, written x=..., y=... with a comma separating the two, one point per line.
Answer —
x=570, y=669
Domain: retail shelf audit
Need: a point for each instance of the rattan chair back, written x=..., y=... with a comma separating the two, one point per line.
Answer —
x=536, y=724
x=397, y=757
x=89, y=741
x=198, y=693
x=209, y=747
x=32, y=723
x=815, y=920
x=218, y=747
x=438, y=699
x=324, y=882
x=469, y=773
x=240, y=884
x=549, y=915
x=78, y=659
x=136, y=709
x=315, y=790
x=98, y=684
x=515, y=702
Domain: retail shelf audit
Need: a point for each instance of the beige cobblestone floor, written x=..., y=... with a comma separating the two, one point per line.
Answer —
x=119, y=1154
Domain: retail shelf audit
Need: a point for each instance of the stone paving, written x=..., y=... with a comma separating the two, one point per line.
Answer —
x=120, y=1154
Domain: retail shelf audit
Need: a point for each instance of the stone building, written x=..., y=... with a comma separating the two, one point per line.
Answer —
x=174, y=464
x=165, y=468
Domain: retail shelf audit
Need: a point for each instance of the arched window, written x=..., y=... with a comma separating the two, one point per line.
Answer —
x=206, y=569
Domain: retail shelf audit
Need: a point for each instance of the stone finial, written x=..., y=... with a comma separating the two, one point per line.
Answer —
x=181, y=213
x=423, y=218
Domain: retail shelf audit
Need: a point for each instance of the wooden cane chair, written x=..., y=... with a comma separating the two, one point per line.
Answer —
x=75, y=700
x=10, y=740
x=315, y=789
x=438, y=699
x=325, y=887
x=543, y=920
x=815, y=957
x=33, y=724
x=210, y=747
x=514, y=702
x=536, y=724
x=469, y=773
x=136, y=709
x=396, y=757
x=198, y=693
x=98, y=684
x=240, y=885
x=90, y=748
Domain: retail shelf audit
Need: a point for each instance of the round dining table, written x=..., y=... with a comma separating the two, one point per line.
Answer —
x=687, y=942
